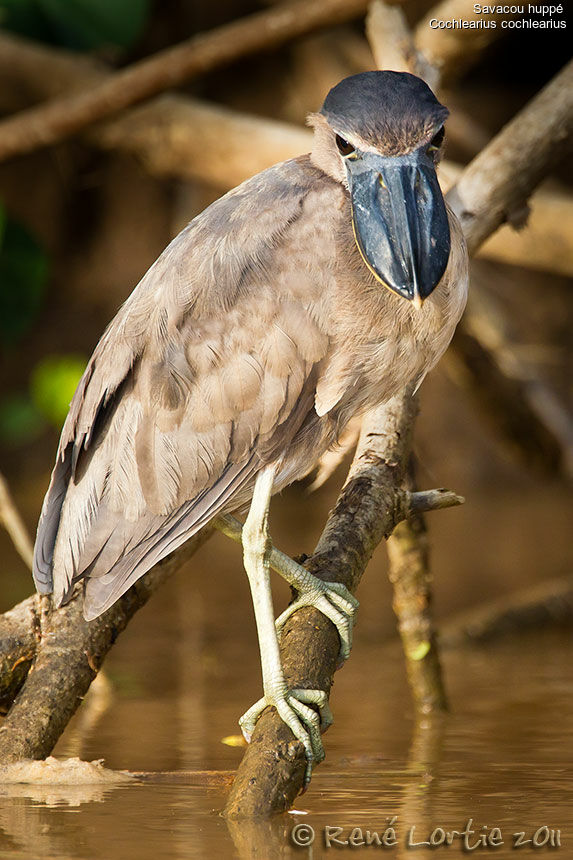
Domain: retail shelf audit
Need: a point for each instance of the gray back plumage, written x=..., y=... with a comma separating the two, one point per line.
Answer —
x=253, y=339
x=186, y=395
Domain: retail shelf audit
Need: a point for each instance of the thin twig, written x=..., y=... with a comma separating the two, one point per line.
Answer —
x=65, y=116
x=14, y=524
x=409, y=573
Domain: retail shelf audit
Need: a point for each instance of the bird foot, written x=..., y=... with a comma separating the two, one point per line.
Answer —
x=334, y=600
x=293, y=707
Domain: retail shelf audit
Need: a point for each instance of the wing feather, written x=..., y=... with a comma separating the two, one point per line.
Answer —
x=204, y=374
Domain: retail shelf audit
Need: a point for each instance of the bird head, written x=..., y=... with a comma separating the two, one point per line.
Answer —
x=380, y=134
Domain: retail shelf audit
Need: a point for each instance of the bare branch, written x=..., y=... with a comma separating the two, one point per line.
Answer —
x=391, y=40
x=451, y=51
x=48, y=124
x=495, y=187
x=19, y=637
x=68, y=654
x=544, y=243
x=368, y=508
x=409, y=573
x=186, y=138
x=548, y=603
x=14, y=524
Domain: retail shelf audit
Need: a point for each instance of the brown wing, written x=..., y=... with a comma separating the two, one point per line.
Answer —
x=178, y=407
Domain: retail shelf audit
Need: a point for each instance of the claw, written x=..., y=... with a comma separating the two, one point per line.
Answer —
x=293, y=707
x=335, y=601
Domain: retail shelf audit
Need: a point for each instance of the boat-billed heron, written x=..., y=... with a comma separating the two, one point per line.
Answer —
x=309, y=294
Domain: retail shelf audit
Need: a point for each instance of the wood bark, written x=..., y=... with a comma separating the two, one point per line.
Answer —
x=370, y=505
x=410, y=575
x=451, y=51
x=58, y=654
x=495, y=187
x=272, y=770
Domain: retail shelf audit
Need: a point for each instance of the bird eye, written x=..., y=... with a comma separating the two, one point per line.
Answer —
x=344, y=147
x=437, y=140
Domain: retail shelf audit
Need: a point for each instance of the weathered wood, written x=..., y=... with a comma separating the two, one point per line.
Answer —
x=409, y=573
x=368, y=508
x=496, y=185
x=19, y=637
x=68, y=654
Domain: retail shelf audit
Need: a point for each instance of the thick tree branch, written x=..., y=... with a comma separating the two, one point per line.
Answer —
x=68, y=654
x=495, y=187
x=19, y=637
x=544, y=243
x=368, y=508
x=172, y=135
x=67, y=115
x=272, y=769
x=451, y=51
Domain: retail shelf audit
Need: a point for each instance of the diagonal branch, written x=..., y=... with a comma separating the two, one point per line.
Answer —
x=65, y=116
x=271, y=772
x=61, y=654
x=370, y=505
x=495, y=187
x=13, y=523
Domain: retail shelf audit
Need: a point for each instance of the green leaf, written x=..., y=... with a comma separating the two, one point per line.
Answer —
x=79, y=24
x=53, y=383
x=23, y=275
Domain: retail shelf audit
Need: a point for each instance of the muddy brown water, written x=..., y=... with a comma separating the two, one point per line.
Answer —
x=502, y=759
x=188, y=666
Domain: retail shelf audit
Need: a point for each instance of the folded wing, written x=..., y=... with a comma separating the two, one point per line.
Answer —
x=206, y=365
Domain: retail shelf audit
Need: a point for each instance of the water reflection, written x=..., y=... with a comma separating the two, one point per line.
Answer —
x=503, y=758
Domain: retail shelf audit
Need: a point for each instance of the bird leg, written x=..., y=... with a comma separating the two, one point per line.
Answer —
x=292, y=705
x=333, y=599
